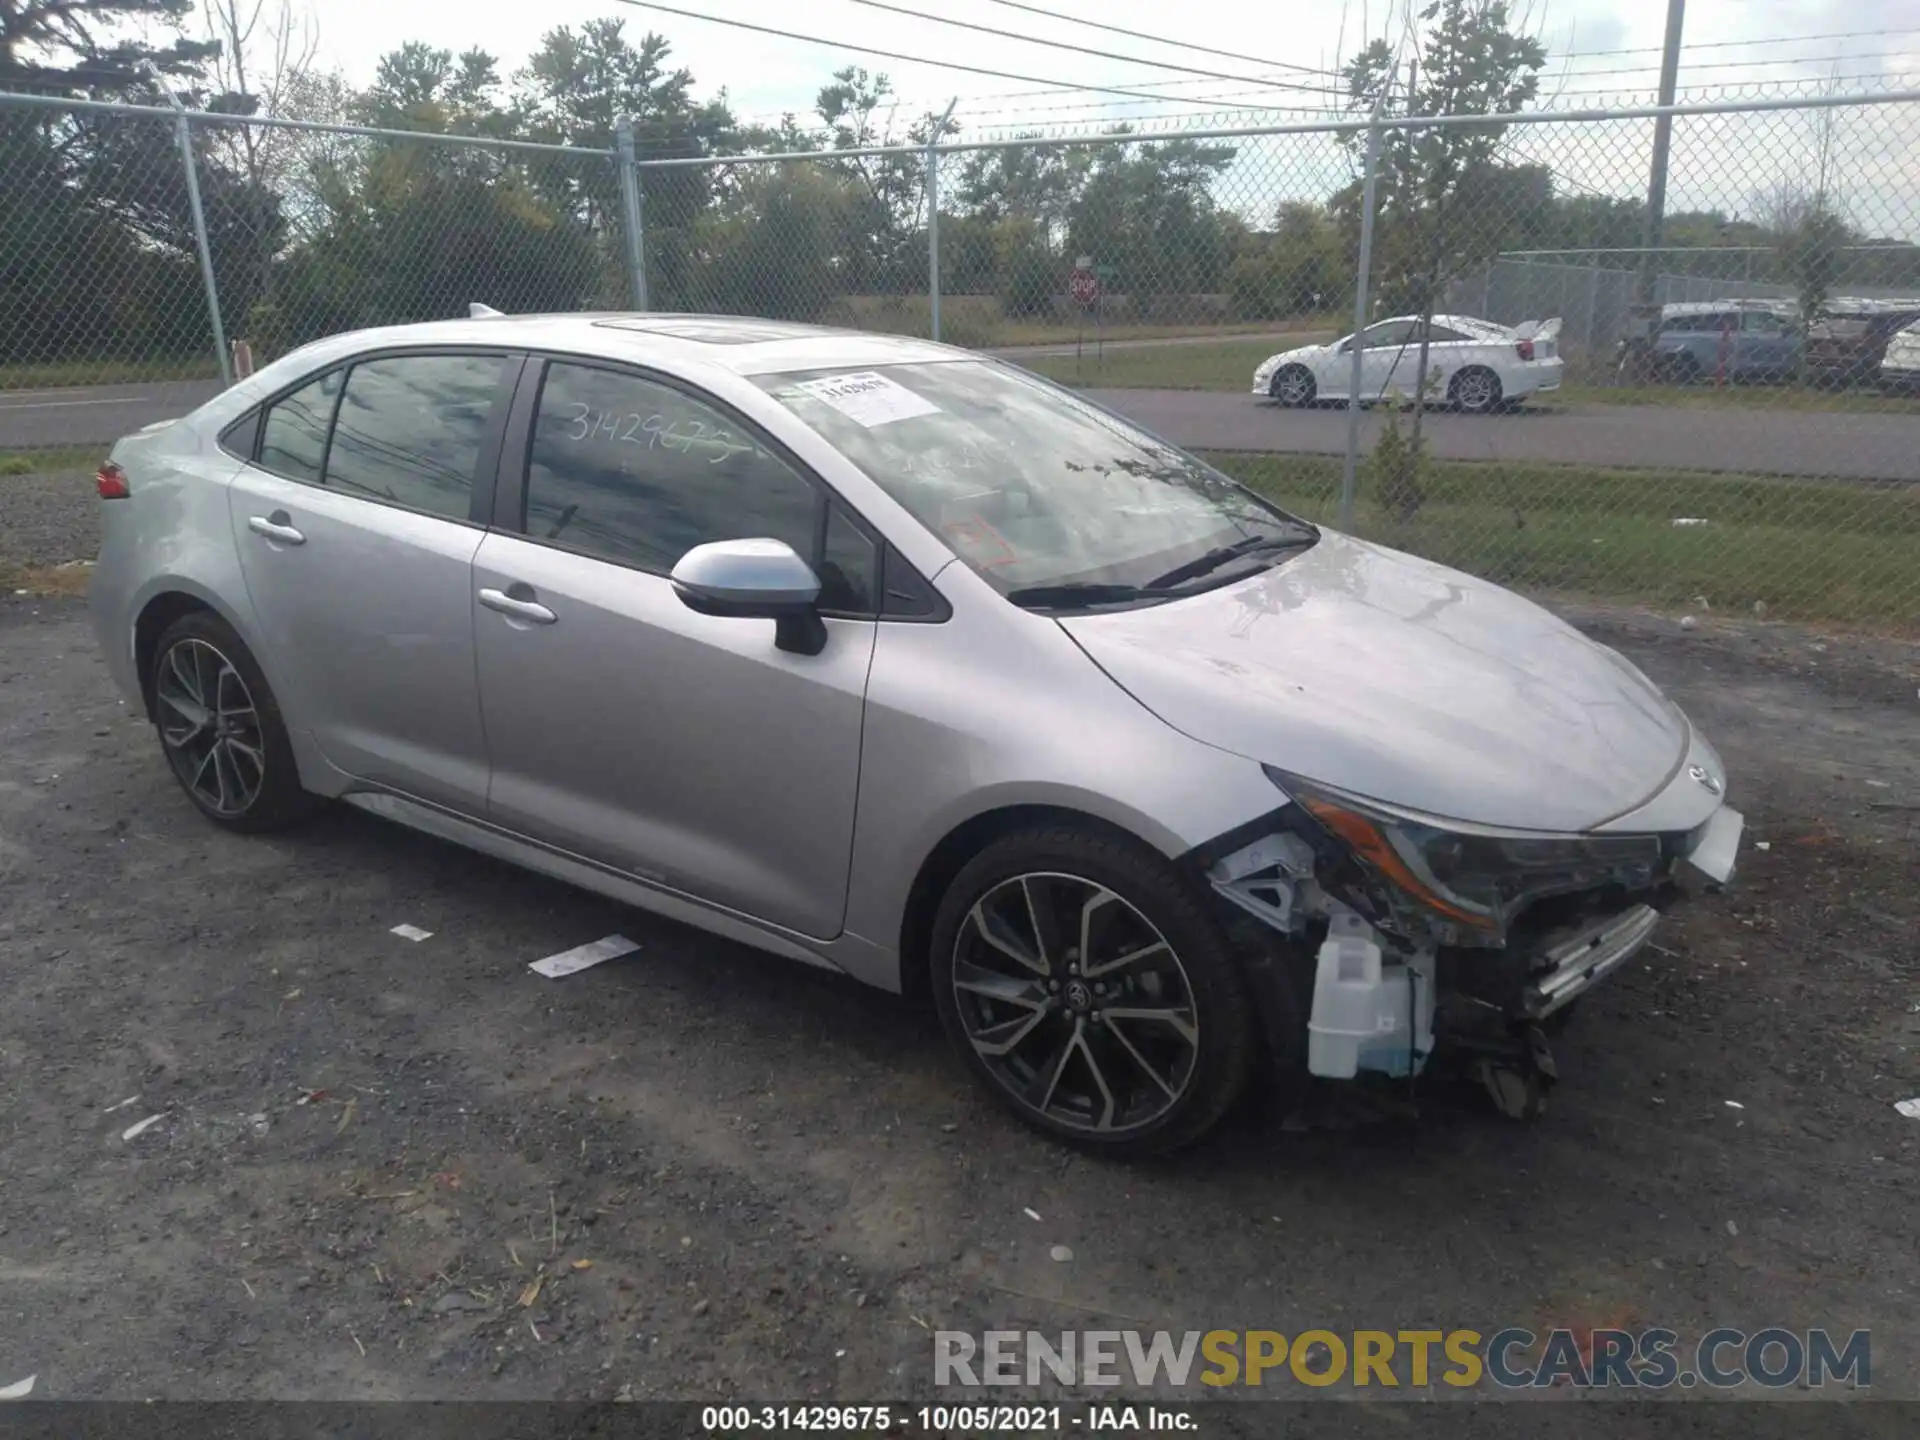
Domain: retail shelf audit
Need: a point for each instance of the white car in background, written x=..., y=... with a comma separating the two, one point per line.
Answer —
x=1474, y=365
x=1900, y=366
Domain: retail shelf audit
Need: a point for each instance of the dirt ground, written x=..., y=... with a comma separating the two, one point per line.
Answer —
x=386, y=1169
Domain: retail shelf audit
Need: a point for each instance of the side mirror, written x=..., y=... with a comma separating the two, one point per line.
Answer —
x=755, y=580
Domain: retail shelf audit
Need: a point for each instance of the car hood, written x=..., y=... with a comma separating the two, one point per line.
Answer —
x=1302, y=353
x=1389, y=677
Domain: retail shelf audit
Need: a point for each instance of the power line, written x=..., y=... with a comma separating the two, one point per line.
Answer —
x=1084, y=50
x=1094, y=112
x=1138, y=85
x=896, y=55
x=1165, y=40
x=1729, y=44
x=1736, y=64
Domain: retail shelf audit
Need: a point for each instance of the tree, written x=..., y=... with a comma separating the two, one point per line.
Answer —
x=1444, y=203
x=768, y=247
x=75, y=279
x=409, y=230
x=1809, y=238
x=1299, y=268
x=1147, y=211
x=54, y=46
x=884, y=244
x=574, y=90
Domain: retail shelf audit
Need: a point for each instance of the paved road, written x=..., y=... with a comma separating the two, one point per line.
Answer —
x=1759, y=442
x=96, y=414
x=1278, y=339
x=1853, y=446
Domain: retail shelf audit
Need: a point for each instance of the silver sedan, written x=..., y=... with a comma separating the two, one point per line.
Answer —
x=890, y=658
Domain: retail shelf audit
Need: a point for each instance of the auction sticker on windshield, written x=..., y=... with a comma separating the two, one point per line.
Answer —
x=869, y=398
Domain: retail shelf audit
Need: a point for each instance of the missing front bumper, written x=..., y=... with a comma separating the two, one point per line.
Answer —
x=1580, y=963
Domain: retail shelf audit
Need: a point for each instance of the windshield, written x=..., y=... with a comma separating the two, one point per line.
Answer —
x=1033, y=488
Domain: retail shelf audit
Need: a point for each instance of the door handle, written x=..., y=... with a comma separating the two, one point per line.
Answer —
x=529, y=610
x=276, y=527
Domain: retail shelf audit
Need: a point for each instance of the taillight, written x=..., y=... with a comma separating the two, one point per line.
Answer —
x=1525, y=348
x=111, y=482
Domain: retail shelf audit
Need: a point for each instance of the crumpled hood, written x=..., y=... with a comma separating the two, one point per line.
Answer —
x=1390, y=677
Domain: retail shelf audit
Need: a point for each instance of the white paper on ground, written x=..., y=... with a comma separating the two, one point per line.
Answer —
x=130, y=1100
x=610, y=947
x=139, y=1126
x=1909, y=1108
x=411, y=932
x=19, y=1390
x=869, y=398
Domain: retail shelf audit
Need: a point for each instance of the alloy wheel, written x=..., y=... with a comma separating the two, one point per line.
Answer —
x=1293, y=387
x=1476, y=391
x=210, y=728
x=1075, y=1003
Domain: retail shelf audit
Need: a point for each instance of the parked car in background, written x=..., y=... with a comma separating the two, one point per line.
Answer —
x=1900, y=365
x=1845, y=346
x=1475, y=365
x=891, y=658
x=1725, y=340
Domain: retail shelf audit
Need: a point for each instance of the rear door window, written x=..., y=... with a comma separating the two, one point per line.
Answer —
x=293, y=437
x=410, y=430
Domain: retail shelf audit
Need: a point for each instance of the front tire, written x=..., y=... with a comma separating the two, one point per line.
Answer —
x=221, y=727
x=1092, y=990
x=1293, y=386
x=1475, y=390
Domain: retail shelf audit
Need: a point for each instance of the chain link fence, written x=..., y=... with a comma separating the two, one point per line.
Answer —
x=1703, y=413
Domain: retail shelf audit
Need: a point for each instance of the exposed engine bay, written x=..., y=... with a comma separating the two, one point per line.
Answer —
x=1426, y=945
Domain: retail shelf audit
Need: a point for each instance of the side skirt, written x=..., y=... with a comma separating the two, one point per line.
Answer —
x=515, y=850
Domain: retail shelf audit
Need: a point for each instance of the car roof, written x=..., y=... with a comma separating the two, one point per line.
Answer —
x=742, y=344
x=1715, y=307
x=1468, y=322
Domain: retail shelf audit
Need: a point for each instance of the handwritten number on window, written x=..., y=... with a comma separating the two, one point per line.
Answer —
x=682, y=436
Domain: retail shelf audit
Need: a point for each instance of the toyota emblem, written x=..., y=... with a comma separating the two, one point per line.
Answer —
x=1706, y=778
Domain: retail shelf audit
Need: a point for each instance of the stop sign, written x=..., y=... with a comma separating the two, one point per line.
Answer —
x=1084, y=286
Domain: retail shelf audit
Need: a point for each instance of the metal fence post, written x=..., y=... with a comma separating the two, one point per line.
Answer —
x=933, y=237
x=1369, y=188
x=632, y=213
x=1592, y=341
x=183, y=132
x=933, y=216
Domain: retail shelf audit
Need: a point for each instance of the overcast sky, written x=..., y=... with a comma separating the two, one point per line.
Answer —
x=1720, y=163
x=764, y=75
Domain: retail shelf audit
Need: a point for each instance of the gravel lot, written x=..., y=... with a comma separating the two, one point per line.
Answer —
x=47, y=520
x=730, y=1176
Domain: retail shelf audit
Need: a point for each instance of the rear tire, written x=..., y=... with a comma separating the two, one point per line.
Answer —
x=1476, y=390
x=1092, y=990
x=221, y=729
x=1293, y=386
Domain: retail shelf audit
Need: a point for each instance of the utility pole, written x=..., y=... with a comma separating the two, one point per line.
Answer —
x=1662, y=142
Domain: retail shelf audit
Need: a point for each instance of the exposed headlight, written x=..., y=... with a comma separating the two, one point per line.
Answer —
x=1470, y=879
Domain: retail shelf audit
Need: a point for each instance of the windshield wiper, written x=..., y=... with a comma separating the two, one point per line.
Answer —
x=1074, y=594
x=1224, y=554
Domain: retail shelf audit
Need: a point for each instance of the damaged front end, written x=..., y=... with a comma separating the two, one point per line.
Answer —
x=1431, y=941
